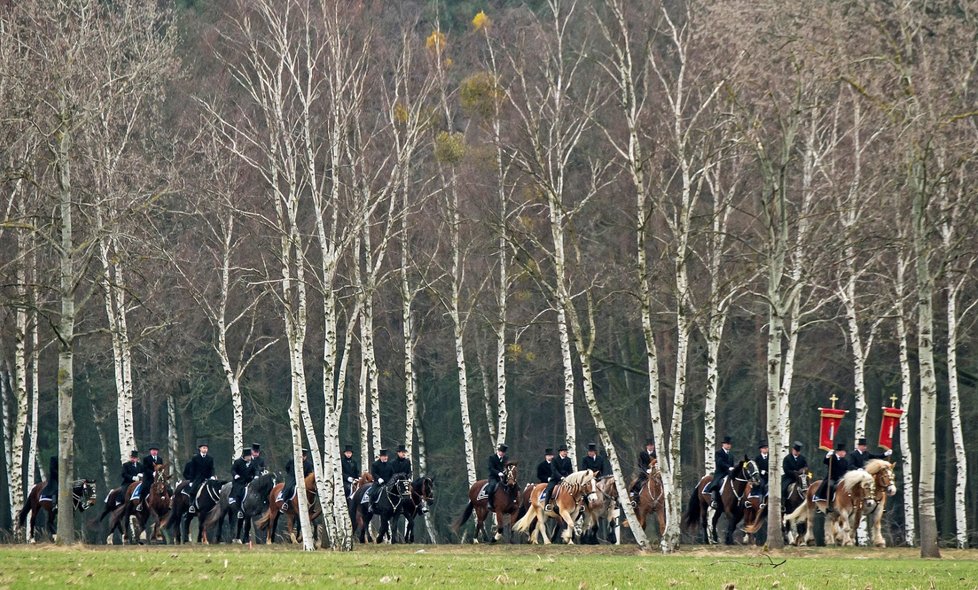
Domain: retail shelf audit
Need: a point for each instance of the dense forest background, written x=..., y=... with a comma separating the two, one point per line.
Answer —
x=484, y=172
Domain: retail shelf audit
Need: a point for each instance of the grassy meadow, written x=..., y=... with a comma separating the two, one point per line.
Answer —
x=478, y=566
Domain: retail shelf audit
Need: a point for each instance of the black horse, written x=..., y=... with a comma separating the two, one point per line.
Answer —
x=208, y=496
x=254, y=504
x=393, y=500
x=421, y=498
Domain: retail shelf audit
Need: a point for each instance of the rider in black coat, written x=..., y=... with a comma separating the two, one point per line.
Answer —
x=838, y=466
x=401, y=464
x=257, y=461
x=198, y=470
x=288, y=491
x=150, y=462
x=644, y=460
x=382, y=471
x=562, y=467
x=793, y=465
x=130, y=469
x=545, y=468
x=242, y=472
x=762, y=460
x=351, y=469
x=859, y=456
x=594, y=462
x=495, y=465
x=724, y=466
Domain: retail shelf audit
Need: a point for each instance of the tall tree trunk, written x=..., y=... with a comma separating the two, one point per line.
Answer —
x=172, y=434
x=960, y=458
x=429, y=524
x=487, y=398
x=16, y=481
x=570, y=422
x=906, y=396
x=32, y=461
x=5, y=380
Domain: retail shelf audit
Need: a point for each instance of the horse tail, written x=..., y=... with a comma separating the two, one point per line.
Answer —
x=800, y=514
x=691, y=518
x=262, y=521
x=523, y=524
x=22, y=515
x=465, y=516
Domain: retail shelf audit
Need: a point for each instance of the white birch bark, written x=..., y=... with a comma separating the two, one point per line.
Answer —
x=19, y=429
x=487, y=397
x=32, y=461
x=429, y=524
x=906, y=397
x=172, y=435
x=5, y=379
x=570, y=421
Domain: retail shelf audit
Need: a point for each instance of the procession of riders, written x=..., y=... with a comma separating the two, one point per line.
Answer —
x=737, y=488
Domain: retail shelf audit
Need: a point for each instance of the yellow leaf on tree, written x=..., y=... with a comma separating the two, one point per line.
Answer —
x=436, y=41
x=480, y=21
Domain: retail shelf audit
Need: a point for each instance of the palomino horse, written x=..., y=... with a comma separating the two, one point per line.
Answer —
x=883, y=480
x=794, y=498
x=505, y=501
x=856, y=489
x=566, y=499
x=732, y=493
x=82, y=498
x=652, y=499
x=155, y=503
x=269, y=521
x=602, y=509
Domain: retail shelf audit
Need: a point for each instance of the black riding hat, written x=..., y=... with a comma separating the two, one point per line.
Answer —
x=548, y=451
x=502, y=448
x=133, y=453
x=650, y=441
x=246, y=452
x=762, y=445
x=592, y=447
x=861, y=441
x=154, y=446
x=401, y=449
x=727, y=440
x=797, y=445
x=256, y=447
x=382, y=453
x=347, y=448
x=840, y=446
x=561, y=448
x=202, y=442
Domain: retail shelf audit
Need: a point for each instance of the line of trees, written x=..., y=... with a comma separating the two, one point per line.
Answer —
x=322, y=223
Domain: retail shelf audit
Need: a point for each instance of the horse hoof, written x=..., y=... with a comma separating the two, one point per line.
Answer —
x=475, y=541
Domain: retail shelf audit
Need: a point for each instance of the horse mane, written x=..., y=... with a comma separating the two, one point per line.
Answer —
x=579, y=477
x=874, y=466
x=513, y=463
x=854, y=479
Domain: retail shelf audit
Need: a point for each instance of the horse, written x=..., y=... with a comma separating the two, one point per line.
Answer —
x=214, y=517
x=794, y=498
x=855, y=489
x=269, y=521
x=566, y=499
x=254, y=503
x=604, y=508
x=755, y=511
x=651, y=498
x=115, y=504
x=732, y=493
x=883, y=480
x=179, y=517
x=505, y=500
x=82, y=498
x=392, y=501
x=156, y=504
x=360, y=514
x=422, y=496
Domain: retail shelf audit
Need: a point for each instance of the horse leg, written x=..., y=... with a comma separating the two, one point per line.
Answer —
x=878, y=539
x=732, y=520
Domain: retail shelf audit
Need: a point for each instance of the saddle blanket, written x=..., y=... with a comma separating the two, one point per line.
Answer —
x=482, y=493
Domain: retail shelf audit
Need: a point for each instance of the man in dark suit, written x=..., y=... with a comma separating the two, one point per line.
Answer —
x=762, y=460
x=859, y=457
x=562, y=467
x=242, y=472
x=130, y=469
x=382, y=471
x=644, y=460
x=793, y=465
x=199, y=470
x=593, y=461
x=724, y=466
x=401, y=463
x=351, y=469
x=545, y=468
x=150, y=463
x=288, y=491
x=837, y=467
x=495, y=466
x=257, y=460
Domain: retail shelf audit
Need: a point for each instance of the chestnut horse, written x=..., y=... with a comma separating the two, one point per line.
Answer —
x=505, y=502
x=732, y=494
x=269, y=521
x=883, y=479
x=651, y=498
x=155, y=503
x=567, y=499
x=82, y=498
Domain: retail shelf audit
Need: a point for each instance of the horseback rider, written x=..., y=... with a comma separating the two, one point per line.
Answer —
x=382, y=471
x=562, y=467
x=401, y=463
x=130, y=469
x=351, y=469
x=242, y=472
x=644, y=471
x=763, y=461
x=594, y=462
x=257, y=461
x=197, y=471
x=545, y=468
x=793, y=465
x=724, y=467
x=860, y=455
x=495, y=464
x=50, y=491
x=838, y=465
x=150, y=462
x=289, y=490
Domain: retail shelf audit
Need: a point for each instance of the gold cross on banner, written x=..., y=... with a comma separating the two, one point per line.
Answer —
x=893, y=399
x=834, y=399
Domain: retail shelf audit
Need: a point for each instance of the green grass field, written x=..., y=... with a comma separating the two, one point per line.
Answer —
x=479, y=566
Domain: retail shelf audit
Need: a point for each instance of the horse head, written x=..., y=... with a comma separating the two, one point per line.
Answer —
x=83, y=494
x=424, y=489
x=804, y=480
x=509, y=474
x=750, y=471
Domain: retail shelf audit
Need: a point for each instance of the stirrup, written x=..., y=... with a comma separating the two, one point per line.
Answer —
x=548, y=508
x=192, y=509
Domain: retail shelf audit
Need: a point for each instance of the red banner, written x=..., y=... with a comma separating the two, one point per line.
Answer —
x=829, y=427
x=891, y=421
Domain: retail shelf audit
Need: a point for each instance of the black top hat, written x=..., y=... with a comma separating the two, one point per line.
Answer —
x=202, y=442
x=382, y=453
x=561, y=448
x=133, y=453
x=650, y=441
x=401, y=449
x=246, y=452
x=861, y=441
x=347, y=448
x=840, y=446
x=154, y=446
x=502, y=448
x=548, y=451
x=305, y=451
x=256, y=447
x=592, y=447
x=797, y=445
x=727, y=440
x=762, y=444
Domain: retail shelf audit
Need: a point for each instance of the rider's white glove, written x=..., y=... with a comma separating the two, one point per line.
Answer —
x=213, y=477
x=138, y=477
x=763, y=472
x=349, y=479
x=381, y=480
x=729, y=468
x=888, y=452
x=236, y=476
x=649, y=471
x=500, y=474
x=829, y=454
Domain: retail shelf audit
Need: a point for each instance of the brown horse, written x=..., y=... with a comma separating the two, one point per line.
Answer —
x=155, y=505
x=794, y=498
x=567, y=500
x=651, y=498
x=82, y=498
x=505, y=501
x=603, y=508
x=269, y=521
x=883, y=480
x=856, y=489
x=732, y=494
x=755, y=513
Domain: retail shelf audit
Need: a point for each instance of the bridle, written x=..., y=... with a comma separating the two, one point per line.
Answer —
x=82, y=494
x=426, y=496
x=748, y=468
